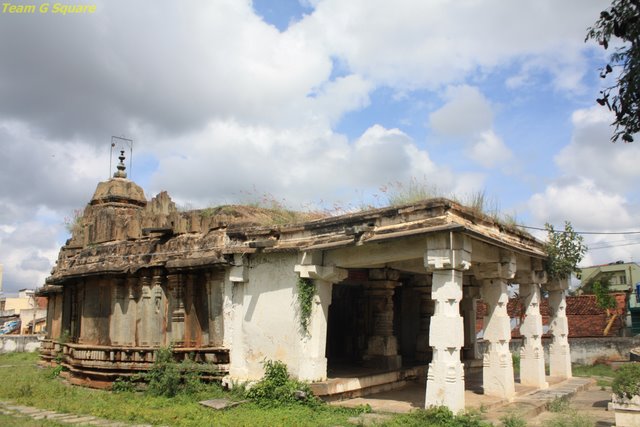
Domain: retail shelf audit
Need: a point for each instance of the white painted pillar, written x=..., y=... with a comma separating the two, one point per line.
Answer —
x=559, y=350
x=236, y=281
x=532, y=353
x=312, y=365
x=497, y=369
x=447, y=256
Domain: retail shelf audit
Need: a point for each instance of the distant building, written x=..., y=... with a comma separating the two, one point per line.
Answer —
x=27, y=307
x=622, y=277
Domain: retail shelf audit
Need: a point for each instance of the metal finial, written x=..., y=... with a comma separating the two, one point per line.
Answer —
x=121, y=167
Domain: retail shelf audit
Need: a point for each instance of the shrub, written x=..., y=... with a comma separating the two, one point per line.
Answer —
x=627, y=381
x=277, y=388
x=513, y=420
x=438, y=416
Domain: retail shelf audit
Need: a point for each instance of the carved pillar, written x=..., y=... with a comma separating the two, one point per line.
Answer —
x=427, y=306
x=118, y=328
x=131, y=311
x=312, y=365
x=382, y=345
x=497, y=370
x=532, y=372
x=176, y=291
x=559, y=350
x=447, y=256
x=144, y=303
x=468, y=306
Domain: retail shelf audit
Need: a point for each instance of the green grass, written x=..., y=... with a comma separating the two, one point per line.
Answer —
x=22, y=421
x=25, y=383
x=598, y=370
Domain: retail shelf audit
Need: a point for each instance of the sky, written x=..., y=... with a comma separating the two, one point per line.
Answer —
x=318, y=104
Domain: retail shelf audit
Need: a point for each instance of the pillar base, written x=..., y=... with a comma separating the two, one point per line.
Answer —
x=532, y=368
x=445, y=386
x=497, y=375
x=382, y=352
x=560, y=361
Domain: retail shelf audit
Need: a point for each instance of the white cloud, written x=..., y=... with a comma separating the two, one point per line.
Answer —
x=489, y=151
x=429, y=44
x=613, y=167
x=468, y=115
x=466, y=112
x=582, y=202
x=306, y=164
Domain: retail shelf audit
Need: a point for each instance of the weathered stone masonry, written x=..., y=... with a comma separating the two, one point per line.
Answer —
x=395, y=287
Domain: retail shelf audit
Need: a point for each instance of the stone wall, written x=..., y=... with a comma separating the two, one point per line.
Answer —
x=19, y=343
x=588, y=350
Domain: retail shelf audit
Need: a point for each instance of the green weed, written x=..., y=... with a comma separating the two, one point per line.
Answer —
x=513, y=420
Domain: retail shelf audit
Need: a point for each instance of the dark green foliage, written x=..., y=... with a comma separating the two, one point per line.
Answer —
x=306, y=292
x=164, y=377
x=621, y=22
x=169, y=378
x=439, y=416
x=276, y=388
x=123, y=385
x=565, y=250
x=601, y=290
x=627, y=381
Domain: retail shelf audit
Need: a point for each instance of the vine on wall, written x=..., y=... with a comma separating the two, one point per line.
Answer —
x=306, y=292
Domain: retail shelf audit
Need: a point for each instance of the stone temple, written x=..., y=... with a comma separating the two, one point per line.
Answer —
x=395, y=296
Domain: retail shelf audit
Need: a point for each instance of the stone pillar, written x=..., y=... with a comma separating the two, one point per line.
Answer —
x=447, y=256
x=143, y=312
x=238, y=277
x=468, y=305
x=427, y=306
x=497, y=365
x=118, y=327
x=312, y=365
x=532, y=370
x=382, y=344
x=559, y=351
x=176, y=291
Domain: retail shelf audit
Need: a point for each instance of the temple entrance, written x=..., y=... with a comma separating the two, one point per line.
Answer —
x=375, y=325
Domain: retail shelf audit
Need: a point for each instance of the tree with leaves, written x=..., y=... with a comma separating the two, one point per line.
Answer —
x=565, y=249
x=621, y=22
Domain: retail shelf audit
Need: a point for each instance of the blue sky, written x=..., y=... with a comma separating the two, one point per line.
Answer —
x=316, y=102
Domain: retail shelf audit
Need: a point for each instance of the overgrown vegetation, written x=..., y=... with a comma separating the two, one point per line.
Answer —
x=438, y=417
x=73, y=223
x=513, y=420
x=559, y=404
x=565, y=249
x=626, y=383
x=25, y=384
x=277, y=388
x=306, y=292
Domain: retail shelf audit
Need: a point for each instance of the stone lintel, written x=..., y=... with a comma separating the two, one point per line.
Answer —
x=525, y=277
x=318, y=272
x=557, y=285
x=239, y=273
x=505, y=269
x=448, y=251
x=383, y=274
